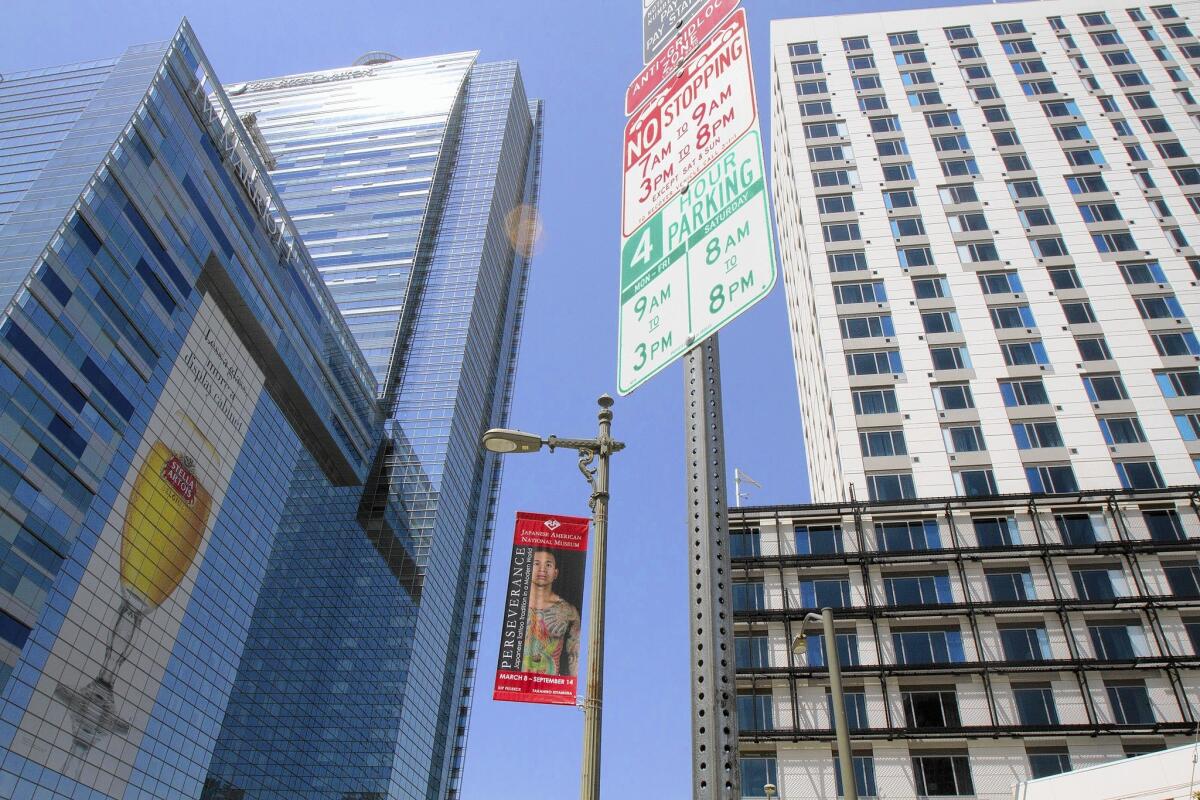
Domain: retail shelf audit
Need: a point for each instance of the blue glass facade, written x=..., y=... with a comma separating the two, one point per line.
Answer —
x=246, y=354
x=412, y=183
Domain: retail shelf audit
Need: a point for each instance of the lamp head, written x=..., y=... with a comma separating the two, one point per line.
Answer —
x=504, y=440
x=769, y=790
x=800, y=645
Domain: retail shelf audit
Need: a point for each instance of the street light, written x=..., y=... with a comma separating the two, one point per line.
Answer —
x=800, y=647
x=769, y=790
x=503, y=441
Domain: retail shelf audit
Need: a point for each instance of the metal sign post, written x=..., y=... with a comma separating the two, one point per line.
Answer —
x=715, y=774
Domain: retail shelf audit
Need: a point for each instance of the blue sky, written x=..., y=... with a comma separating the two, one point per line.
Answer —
x=578, y=57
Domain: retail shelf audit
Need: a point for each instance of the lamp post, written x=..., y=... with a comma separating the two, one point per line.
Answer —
x=799, y=647
x=504, y=441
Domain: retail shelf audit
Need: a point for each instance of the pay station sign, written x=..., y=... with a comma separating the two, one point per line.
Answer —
x=691, y=33
x=660, y=21
x=696, y=264
x=688, y=124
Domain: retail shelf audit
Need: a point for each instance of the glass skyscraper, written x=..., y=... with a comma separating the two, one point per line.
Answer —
x=414, y=185
x=244, y=521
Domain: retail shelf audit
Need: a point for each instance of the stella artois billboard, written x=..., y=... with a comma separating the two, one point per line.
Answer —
x=541, y=630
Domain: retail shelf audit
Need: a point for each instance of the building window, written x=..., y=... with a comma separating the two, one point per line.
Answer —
x=875, y=401
x=1163, y=525
x=819, y=540
x=893, y=486
x=1047, y=761
x=918, y=590
x=953, y=397
x=1052, y=479
x=847, y=644
x=907, y=536
x=1025, y=644
x=853, y=293
x=940, y=321
x=1033, y=435
x=1093, y=348
x=1076, y=529
x=1065, y=278
x=745, y=543
x=757, y=772
x=1122, y=430
x=949, y=358
x=1016, y=316
x=934, y=708
x=1176, y=344
x=930, y=288
x=1000, y=282
x=754, y=710
x=1139, y=475
x=1024, y=354
x=874, y=363
x=835, y=203
x=964, y=439
x=855, y=706
x=977, y=252
x=958, y=33
x=1079, y=313
x=1023, y=393
x=954, y=195
x=900, y=198
x=1130, y=703
x=1118, y=642
x=1098, y=583
x=880, y=443
x=854, y=43
x=1184, y=579
x=996, y=531
x=1035, y=705
x=825, y=593
x=1102, y=388
x=749, y=596
x=803, y=49
x=752, y=651
x=940, y=775
x=869, y=327
x=864, y=775
x=975, y=482
x=1179, y=383
x=1010, y=586
x=1193, y=631
x=853, y=261
x=928, y=647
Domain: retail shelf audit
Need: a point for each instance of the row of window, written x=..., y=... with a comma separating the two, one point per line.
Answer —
x=1093, y=582
x=930, y=708
x=1118, y=639
x=937, y=773
x=1076, y=529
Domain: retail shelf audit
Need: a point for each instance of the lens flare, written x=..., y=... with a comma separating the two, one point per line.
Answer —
x=524, y=229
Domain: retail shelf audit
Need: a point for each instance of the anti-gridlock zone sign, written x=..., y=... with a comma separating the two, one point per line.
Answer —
x=689, y=123
x=696, y=264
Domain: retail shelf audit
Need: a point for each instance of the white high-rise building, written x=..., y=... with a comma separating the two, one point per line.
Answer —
x=987, y=227
x=985, y=219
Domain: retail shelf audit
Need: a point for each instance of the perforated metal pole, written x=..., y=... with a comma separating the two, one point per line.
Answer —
x=715, y=774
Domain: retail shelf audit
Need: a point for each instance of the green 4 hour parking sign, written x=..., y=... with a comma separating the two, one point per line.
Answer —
x=695, y=265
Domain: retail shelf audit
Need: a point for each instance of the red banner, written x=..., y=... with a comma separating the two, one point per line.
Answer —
x=540, y=634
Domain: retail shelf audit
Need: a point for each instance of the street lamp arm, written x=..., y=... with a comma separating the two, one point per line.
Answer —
x=592, y=445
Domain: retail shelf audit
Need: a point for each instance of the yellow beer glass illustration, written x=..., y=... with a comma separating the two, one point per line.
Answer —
x=161, y=534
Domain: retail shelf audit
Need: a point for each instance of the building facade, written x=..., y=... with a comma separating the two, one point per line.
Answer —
x=170, y=359
x=414, y=185
x=983, y=641
x=996, y=205
x=1001, y=213
x=246, y=520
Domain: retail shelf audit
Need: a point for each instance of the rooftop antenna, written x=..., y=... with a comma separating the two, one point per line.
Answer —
x=738, y=477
